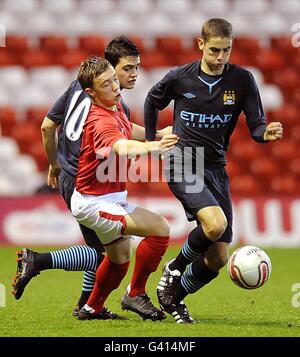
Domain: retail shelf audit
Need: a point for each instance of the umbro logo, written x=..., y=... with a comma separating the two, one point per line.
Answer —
x=122, y=204
x=189, y=95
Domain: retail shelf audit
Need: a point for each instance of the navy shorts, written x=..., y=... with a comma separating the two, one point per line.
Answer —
x=215, y=192
x=66, y=187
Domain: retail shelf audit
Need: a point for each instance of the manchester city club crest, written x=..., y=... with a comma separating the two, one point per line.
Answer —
x=229, y=97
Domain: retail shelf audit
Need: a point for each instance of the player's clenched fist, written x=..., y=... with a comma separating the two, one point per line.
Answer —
x=274, y=131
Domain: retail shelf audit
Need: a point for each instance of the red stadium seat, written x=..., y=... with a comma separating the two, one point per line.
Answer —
x=269, y=61
x=284, y=150
x=241, y=129
x=245, y=151
x=153, y=58
x=265, y=169
x=287, y=80
x=284, y=45
x=169, y=44
x=245, y=185
x=36, y=115
x=187, y=56
x=8, y=119
x=234, y=169
x=37, y=58
x=7, y=58
x=295, y=133
x=294, y=166
x=285, y=184
x=295, y=98
x=247, y=45
x=296, y=62
x=242, y=59
x=288, y=114
x=92, y=44
x=165, y=118
x=17, y=44
x=234, y=140
x=25, y=135
x=37, y=151
x=72, y=59
x=55, y=45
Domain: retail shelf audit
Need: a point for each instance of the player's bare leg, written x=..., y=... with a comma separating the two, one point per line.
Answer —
x=148, y=256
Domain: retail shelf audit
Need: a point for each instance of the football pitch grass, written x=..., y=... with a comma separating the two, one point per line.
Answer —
x=220, y=309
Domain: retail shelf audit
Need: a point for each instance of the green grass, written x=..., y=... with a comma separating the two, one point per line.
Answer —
x=220, y=309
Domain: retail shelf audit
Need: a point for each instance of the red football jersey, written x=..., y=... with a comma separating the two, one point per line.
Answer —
x=99, y=167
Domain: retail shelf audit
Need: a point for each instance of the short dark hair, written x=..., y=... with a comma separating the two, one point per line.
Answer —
x=91, y=68
x=119, y=47
x=216, y=27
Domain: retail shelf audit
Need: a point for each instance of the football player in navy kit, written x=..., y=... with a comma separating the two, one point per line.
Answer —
x=69, y=113
x=209, y=96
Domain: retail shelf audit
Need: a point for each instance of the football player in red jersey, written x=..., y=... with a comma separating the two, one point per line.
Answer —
x=99, y=200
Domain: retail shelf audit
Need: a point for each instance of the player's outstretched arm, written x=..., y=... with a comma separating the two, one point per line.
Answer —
x=133, y=147
x=138, y=132
x=274, y=131
x=48, y=129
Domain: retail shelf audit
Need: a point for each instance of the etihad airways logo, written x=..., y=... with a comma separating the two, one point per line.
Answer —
x=205, y=121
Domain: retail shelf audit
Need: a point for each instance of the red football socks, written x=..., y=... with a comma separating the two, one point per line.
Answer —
x=108, y=278
x=148, y=256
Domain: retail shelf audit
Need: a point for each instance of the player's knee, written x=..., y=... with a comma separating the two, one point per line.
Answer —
x=216, y=262
x=119, y=252
x=121, y=258
x=126, y=256
x=215, y=229
x=161, y=227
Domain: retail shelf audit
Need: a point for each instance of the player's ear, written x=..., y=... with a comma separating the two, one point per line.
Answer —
x=90, y=92
x=200, y=43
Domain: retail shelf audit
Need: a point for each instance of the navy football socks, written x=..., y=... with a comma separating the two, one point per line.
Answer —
x=194, y=247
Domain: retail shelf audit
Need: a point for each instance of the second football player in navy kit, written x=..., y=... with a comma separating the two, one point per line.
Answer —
x=209, y=95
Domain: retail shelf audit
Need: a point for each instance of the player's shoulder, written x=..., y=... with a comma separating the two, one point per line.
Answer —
x=100, y=116
x=75, y=90
x=185, y=70
x=75, y=85
x=238, y=70
x=97, y=111
x=188, y=68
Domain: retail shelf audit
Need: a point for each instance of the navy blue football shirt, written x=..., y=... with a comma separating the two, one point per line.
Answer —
x=206, y=108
